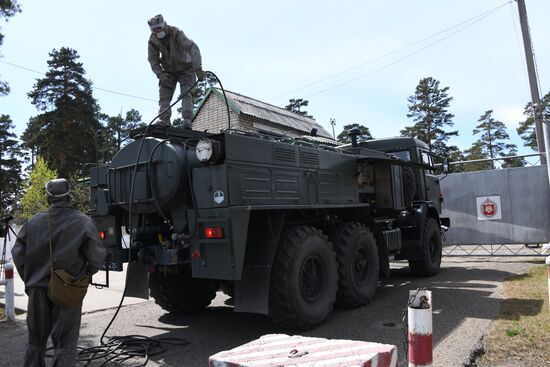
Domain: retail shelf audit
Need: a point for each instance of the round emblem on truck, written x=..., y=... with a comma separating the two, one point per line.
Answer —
x=219, y=197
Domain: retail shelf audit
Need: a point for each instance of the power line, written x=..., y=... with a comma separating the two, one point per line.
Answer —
x=475, y=19
x=486, y=14
x=96, y=88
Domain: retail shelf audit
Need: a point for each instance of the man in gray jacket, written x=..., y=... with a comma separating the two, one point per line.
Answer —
x=174, y=58
x=76, y=248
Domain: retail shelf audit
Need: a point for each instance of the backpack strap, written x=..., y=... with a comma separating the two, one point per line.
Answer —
x=50, y=232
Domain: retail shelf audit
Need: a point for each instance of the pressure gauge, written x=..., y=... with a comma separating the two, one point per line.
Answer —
x=204, y=150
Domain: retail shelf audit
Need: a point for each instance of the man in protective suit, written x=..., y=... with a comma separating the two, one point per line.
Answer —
x=174, y=59
x=76, y=248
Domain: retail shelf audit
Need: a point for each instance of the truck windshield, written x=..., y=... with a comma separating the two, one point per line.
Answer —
x=404, y=155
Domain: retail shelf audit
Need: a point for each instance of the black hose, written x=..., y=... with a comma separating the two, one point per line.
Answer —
x=224, y=97
x=153, y=193
x=114, y=346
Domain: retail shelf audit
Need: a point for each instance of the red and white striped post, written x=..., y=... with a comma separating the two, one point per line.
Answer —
x=10, y=305
x=548, y=272
x=419, y=337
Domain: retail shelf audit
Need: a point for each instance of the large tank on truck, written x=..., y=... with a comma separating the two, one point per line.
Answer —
x=287, y=227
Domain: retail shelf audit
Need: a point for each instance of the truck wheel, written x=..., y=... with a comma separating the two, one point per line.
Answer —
x=409, y=185
x=304, y=279
x=432, y=248
x=358, y=264
x=179, y=293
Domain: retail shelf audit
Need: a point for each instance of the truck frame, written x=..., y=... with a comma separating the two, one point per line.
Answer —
x=287, y=227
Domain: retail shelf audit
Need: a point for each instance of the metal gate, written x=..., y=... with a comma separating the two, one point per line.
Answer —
x=493, y=209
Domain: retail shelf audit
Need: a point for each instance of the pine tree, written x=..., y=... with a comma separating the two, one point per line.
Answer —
x=428, y=108
x=493, y=141
x=34, y=198
x=526, y=129
x=64, y=133
x=31, y=137
x=295, y=105
x=345, y=138
x=476, y=152
x=11, y=159
x=8, y=8
x=202, y=88
x=513, y=162
x=493, y=136
x=118, y=131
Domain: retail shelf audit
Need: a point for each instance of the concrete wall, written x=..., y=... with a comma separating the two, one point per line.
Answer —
x=524, y=204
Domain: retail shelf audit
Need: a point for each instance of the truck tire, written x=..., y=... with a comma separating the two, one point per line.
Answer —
x=179, y=293
x=358, y=264
x=431, y=248
x=304, y=279
x=409, y=185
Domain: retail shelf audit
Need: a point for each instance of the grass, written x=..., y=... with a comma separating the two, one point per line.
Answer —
x=521, y=333
x=1, y=313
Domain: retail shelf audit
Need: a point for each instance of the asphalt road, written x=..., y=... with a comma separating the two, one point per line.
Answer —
x=466, y=298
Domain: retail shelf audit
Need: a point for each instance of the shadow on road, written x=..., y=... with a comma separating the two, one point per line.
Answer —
x=458, y=293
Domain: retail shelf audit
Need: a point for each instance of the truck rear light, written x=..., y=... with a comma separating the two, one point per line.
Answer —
x=102, y=235
x=213, y=232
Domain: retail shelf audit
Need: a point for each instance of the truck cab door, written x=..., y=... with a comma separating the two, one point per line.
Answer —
x=433, y=192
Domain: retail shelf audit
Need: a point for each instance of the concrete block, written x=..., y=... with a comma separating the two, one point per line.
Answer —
x=300, y=351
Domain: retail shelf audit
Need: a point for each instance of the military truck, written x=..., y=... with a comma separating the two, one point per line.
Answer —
x=287, y=227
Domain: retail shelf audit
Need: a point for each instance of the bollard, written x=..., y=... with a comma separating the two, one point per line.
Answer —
x=548, y=272
x=10, y=305
x=419, y=336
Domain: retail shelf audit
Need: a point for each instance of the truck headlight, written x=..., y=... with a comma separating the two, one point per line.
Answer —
x=204, y=149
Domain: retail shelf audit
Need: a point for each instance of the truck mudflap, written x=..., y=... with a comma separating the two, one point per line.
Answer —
x=218, y=245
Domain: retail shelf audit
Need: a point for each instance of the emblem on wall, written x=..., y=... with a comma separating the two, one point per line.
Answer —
x=488, y=207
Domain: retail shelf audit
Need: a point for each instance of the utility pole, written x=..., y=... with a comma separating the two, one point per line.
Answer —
x=541, y=128
x=333, y=123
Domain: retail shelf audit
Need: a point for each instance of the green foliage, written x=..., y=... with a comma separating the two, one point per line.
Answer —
x=116, y=133
x=513, y=162
x=513, y=331
x=295, y=105
x=493, y=141
x=34, y=198
x=80, y=195
x=11, y=159
x=8, y=8
x=345, y=138
x=526, y=129
x=493, y=135
x=428, y=109
x=64, y=133
x=201, y=89
x=476, y=152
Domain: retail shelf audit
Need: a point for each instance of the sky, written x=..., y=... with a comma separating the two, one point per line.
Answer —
x=356, y=61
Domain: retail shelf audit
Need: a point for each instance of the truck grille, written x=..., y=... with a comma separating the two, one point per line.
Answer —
x=284, y=155
x=309, y=159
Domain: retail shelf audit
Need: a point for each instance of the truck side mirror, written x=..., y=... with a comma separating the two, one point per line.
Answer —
x=446, y=165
